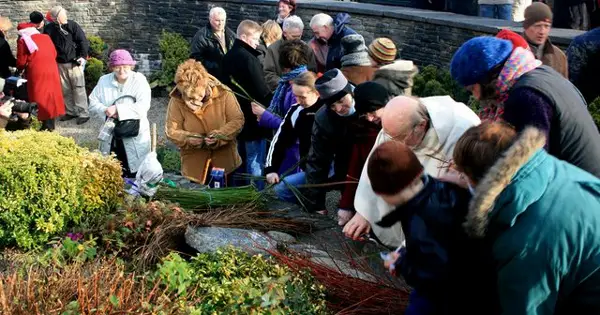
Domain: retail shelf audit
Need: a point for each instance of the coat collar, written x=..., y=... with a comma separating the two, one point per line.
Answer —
x=246, y=47
x=498, y=187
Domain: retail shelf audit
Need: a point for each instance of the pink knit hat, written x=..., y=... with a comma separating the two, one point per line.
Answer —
x=121, y=57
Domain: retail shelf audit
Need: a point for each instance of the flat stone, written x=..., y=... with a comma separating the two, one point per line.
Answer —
x=210, y=239
x=281, y=237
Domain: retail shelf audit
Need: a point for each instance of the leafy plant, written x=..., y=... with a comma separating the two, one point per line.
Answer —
x=97, y=47
x=170, y=159
x=431, y=81
x=47, y=182
x=94, y=69
x=174, y=50
x=68, y=250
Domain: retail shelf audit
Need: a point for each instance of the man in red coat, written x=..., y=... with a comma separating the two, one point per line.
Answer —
x=37, y=56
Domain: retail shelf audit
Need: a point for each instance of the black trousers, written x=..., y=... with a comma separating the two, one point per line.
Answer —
x=49, y=124
x=118, y=148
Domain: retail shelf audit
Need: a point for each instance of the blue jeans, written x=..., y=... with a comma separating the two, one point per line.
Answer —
x=419, y=305
x=282, y=190
x=496, y=11
x=253, y=154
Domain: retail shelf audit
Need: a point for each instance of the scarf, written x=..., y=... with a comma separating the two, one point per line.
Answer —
x=276, y=106
x=520, y=62
x=26, y=34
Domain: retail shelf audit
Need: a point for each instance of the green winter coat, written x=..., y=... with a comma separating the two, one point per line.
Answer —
x=542, y=217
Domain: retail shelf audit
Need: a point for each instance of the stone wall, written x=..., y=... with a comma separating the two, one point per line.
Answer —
x=426, y=37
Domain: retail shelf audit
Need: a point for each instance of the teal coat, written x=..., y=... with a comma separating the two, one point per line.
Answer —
x=542, y=217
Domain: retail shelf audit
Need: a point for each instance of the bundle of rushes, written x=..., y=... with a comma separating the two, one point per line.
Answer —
x=346, y=294
x=209, y=198
x=166, y=237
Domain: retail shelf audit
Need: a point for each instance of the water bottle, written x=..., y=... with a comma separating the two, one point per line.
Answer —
x=107, y=130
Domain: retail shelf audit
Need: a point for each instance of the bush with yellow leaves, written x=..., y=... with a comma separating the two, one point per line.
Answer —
x=47, y=183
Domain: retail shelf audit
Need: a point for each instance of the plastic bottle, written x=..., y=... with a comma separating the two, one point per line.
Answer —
x=107, y=130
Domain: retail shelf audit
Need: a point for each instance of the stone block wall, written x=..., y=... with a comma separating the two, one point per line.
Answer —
x=426, y=37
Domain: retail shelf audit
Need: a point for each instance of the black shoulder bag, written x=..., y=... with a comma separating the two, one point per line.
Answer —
x=127, y=128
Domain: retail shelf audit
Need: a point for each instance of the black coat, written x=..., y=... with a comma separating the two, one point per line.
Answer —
x=242, y=65
x=332, y=140
x=6, y=58
x=70, y=46
x=205, y=47
x=440, y=260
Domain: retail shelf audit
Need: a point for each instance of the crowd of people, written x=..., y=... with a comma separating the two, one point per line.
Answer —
x=495, y=212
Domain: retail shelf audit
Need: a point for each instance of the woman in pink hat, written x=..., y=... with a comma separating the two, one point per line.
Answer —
x=124, y=95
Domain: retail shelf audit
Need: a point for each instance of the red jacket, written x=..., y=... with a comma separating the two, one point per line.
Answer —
x=41, y=72
x=358, y=159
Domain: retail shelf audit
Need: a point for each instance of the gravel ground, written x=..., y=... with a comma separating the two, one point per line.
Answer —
x=86, y=134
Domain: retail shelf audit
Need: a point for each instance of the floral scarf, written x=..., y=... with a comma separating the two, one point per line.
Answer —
x=520, y=62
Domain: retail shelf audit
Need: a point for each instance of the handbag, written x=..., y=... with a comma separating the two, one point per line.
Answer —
x=127, y=128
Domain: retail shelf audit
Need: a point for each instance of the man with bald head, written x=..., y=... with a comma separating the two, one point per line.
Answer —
x=430, y=126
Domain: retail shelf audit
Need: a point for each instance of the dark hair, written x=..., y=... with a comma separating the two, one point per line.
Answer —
x=293, y=54
x=488, y=84
x=479, y=147
x=392, y=167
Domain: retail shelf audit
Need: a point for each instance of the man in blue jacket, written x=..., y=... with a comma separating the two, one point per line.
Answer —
x=329, y=32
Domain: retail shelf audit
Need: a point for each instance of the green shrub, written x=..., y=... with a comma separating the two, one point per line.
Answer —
x=94, y=69
x=170, y=159
x=431, y=81
x=97, y=47
x=233, y=282
x=47, y=182
x=594, y=109
x=174, y=50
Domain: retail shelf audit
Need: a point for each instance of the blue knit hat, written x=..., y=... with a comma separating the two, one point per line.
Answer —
x=475, y=58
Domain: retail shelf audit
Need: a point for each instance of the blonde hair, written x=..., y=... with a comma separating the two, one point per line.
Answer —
x=271, y=32
x=191, y=78
x=5, y=24
x=248, y=27
x=306, y=79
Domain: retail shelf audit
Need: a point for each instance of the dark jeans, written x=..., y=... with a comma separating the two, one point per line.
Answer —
x=580, y=19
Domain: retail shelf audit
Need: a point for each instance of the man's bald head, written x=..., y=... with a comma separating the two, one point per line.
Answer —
x=405, y=119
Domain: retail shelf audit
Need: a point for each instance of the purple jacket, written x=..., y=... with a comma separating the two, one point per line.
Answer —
x=271, y=121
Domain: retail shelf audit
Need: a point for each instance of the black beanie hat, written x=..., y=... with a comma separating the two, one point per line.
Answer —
x=370, y=96
x=36, y=17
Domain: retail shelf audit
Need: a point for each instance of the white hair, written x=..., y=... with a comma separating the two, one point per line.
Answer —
x=321, y=19
x=293, y=21
x=217, y=11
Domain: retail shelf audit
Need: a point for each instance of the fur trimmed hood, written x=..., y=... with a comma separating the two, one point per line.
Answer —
x=499, y=177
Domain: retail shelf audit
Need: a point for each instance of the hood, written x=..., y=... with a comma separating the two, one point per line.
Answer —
x=339, y=22
x=499, y=177
x=400, y=73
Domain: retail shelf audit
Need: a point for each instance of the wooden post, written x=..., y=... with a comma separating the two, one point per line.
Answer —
x=154, y=138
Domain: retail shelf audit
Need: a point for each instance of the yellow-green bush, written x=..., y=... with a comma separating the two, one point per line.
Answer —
x=47, y=182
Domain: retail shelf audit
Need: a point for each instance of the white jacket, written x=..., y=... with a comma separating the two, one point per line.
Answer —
x=106, y=92
x=449, y=120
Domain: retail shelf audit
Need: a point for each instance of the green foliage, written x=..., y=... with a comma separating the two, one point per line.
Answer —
x=594, y=109
x=94, y=69
x=233, y=282
x=97, y=47
x=169, y=158
x=174, y=50
x=47, y=182
x=432, y=81
x=67, y=250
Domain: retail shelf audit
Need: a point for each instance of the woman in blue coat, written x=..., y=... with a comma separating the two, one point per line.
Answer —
x=541, y=216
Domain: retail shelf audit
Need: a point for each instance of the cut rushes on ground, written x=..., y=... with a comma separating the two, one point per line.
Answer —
x=191, y=199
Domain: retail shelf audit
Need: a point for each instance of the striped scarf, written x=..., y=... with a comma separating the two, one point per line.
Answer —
x=276, y=106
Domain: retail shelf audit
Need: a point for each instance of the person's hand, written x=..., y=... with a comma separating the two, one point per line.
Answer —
x=257, y=110
x=111, y=111
x=197, y=142
x=6, y=110
x=455, y=177
x=272, y=178
x=393, y=256
x=356, y=227
x=23, y=116
x=210, y=140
